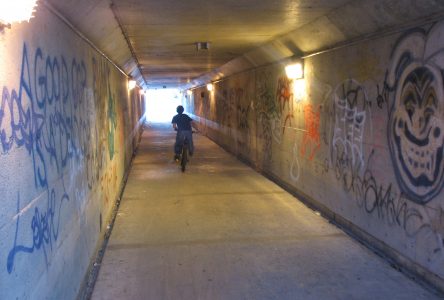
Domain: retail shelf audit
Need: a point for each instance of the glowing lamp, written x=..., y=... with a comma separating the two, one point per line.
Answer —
x=16, y=11
x=189, y=92
x=295, y=70
x=210, y=87
x=131, y=84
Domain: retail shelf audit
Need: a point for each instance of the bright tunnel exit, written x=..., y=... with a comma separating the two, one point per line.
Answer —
x=161, y=104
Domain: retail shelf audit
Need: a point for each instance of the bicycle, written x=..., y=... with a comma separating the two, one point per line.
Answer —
x=184, y=150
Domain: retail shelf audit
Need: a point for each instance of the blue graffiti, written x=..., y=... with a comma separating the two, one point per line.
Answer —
x=44, y=228
x=47, y=117
x=40, y=117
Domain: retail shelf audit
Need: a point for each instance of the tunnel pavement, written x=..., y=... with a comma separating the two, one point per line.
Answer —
x=222, y=231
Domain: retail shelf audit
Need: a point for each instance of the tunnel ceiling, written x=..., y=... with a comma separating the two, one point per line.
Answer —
x=154, y=41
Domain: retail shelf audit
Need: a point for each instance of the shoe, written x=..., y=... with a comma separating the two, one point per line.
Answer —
x=176, y=157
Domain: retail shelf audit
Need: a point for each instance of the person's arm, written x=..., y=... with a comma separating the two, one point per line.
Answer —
x=174, y=122
x=192, y=124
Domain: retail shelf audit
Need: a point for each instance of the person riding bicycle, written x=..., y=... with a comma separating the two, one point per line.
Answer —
x=182, y=124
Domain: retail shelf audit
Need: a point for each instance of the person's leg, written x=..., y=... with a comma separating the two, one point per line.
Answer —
x=190, y=141
x=178, y=145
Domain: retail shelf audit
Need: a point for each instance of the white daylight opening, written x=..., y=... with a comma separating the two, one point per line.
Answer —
x=161, y=104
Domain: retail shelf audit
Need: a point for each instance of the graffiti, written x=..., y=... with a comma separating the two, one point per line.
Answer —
x=112, y=123
x=348, y=135
x=44, y=228
x=384, y=201
x=311, y=138
x=416, y=120
x=108, y=183
x=382, y=96
x=242, y=117
x=266, y=110
x=243, y=139
x=284, y=98
x=38, y=118
x=235, y=96
x=47, y=118
x=391, y=207
x=222, y=108
x=294, y=166
x=350, y=104
x=104, y=97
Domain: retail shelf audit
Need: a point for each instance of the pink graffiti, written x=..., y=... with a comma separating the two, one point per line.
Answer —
x=311, y=138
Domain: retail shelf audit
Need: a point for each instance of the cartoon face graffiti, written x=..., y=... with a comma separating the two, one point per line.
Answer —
x=416, y=132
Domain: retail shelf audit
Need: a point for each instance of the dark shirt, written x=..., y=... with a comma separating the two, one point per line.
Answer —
x=183, y=121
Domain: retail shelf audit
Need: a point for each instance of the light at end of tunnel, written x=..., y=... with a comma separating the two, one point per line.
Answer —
x=131, y=84
x=210, y=87
x=16, y=11
x=295, y=70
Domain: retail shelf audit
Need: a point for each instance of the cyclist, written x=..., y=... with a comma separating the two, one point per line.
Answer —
x=182, y=124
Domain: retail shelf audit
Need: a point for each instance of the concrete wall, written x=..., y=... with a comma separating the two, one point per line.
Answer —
x=361, y=136
x=68, y=128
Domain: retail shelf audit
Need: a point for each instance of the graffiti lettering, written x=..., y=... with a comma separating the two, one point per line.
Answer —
x=267, y=110
x=243, y=139
x=44, y=227
x=350, y=103
x=380, y=200
x=36, y=117
x=284, y=98
x=47, y=117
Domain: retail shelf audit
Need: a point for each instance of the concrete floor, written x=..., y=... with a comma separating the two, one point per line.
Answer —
x=222, y=231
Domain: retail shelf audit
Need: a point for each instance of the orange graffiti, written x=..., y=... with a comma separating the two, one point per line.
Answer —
x=311, y=138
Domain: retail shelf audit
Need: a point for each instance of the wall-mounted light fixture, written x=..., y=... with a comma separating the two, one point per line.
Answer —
x=210, y=87
x=295, y=70
x=131, y=84
x=189, y=92
x=16, y=11
x=202, y=46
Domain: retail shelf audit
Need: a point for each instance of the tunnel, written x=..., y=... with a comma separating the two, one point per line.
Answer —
x=318, y=169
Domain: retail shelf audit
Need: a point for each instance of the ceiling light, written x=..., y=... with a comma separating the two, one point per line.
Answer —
x=295, y=70
x=202, y=46
x=210, y=87
x=131, y=84
x=16, y=11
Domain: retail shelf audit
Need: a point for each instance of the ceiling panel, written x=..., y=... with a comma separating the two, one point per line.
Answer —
x=163, y=33
x=154, y=40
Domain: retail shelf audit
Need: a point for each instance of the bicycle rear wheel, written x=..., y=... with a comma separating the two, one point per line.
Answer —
x=184, y=158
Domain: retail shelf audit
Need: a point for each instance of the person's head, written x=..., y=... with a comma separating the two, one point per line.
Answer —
x=179, y=109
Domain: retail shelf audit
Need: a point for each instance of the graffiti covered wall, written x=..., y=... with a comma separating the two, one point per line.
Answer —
x=68, y=127
x=362, y=135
